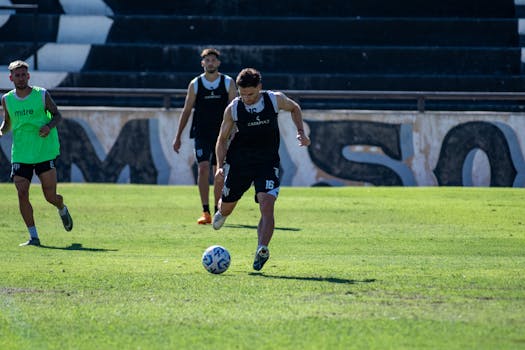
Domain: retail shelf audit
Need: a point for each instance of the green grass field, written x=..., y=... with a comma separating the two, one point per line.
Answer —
x=351, y=268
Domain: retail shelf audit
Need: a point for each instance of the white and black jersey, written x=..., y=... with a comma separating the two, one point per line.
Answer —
x=257, y=138
x=211, y=100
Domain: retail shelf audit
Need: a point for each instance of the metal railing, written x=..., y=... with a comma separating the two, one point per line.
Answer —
x=168, y=95
x=419, y=97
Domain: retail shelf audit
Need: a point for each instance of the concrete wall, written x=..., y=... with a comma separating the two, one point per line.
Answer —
x=348, y=148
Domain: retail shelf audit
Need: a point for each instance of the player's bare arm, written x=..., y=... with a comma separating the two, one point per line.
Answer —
x=6, y=124
x=232, y=93
x=222, y=140
x=287, y=104
x=56, y=117
x=189, y=102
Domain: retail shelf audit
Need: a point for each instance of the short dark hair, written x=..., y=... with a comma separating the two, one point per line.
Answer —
x=210, y=51
x=248, y=77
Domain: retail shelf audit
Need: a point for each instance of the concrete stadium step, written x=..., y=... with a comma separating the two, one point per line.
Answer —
x=56, y=28
x=278, y=59
x=23, y=27
x=308, y=81
x=314, y=31
x=239, y=30
x=340, y=8
x=14, y=51
x=312, y=59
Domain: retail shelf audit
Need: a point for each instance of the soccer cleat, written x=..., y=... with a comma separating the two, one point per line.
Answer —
x=218, y=220
x=32, y=241
x=261, y=257
x=66, y=220
x=204, y=219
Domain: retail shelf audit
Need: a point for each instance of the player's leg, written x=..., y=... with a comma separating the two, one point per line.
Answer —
x=21, y=175
x=218, y=184
x=267, y=185
x=202, y=155
x=26, y=209
x=218, y=181
x=203, y=184
x=203, y=178
x=235, y=184
x=225, y=209
x=267, y=221
x=265, y=229
x=48, y=178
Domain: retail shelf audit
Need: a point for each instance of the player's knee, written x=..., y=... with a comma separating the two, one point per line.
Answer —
x=204, y=166
x=53, y=198
x=266, y=203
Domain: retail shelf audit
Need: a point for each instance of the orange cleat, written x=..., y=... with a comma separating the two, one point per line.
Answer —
x=204, y=219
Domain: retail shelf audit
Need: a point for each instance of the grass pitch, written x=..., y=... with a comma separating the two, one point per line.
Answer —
x=350, y=268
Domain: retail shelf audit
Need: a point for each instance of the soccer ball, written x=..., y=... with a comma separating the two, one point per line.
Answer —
x=216, y=259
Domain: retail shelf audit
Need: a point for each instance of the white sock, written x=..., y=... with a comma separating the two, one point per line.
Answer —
x=62, y=211
x=262, y=247
x=32, y=232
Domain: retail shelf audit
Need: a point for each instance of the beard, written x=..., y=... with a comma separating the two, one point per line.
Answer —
x=21, y=86
x=211, y=69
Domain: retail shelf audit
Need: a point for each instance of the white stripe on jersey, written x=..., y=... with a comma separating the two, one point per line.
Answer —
x=211, y=85
x=256, y=107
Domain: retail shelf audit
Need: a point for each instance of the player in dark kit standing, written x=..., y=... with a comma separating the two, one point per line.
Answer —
x=32, y=115
x=253, y=154
x=208, y=94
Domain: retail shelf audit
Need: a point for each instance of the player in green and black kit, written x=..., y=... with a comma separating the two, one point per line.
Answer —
x=32, y=115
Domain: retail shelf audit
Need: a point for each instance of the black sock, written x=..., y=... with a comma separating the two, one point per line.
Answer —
x=206, y=208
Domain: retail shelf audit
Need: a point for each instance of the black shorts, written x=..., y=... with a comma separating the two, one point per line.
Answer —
x=265, y=178
x=26, y=170
x=205, y=150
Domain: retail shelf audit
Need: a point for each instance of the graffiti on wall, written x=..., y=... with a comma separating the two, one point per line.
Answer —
x=497, y=141
x=131, y=149
x=380, y=150
x=330, y=139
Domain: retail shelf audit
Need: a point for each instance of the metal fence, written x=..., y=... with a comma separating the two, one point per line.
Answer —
x=419, y=97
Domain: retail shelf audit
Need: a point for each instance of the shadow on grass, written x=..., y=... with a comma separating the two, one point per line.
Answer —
x=316, y=279
x=253, y=227
x=78, y=246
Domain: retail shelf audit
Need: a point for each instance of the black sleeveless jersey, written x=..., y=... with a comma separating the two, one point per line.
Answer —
x=257, y=139
x=209, y=110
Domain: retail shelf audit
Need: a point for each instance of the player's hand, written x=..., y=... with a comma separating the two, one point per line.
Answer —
x=176, y=145
x=303, y=139
x=219, y=172
x=44, y=131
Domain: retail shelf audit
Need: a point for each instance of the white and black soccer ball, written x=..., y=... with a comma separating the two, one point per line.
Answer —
x=216, y=259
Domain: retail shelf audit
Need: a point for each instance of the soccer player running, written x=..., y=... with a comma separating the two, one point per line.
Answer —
x=32, y=115
x=208, y=94
x=253, y=154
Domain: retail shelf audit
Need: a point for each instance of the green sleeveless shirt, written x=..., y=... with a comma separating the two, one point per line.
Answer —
x=27, y=116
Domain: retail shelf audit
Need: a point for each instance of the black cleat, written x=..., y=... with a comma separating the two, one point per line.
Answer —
x=67, y=220
x=261, y=257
